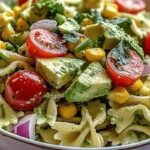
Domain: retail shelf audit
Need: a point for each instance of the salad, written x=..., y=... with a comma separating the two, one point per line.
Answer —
x=75, y=73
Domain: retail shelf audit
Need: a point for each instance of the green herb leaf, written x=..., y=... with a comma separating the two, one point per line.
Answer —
x=86, y=43
x=71, y=37
x=120, y=54
x=87, y=142
x=79, y=17
x=96, y=15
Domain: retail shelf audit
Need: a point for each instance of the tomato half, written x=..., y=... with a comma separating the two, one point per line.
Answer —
x=131, y=6
x=44, y=44
x=146, y=44
x=127, y=74
x=24, y=90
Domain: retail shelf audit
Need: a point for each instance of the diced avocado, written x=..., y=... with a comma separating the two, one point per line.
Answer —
x=58, y=71
x=110, y=41
x=115, y=32
x=92, y=83
x=69, y=26
x=93, y=31
x=60, y=18
x=34, y=14
x=19, y=38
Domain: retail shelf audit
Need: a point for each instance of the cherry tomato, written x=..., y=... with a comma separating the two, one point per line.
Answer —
x=44, y=44
x=20, y=2
x=146, y=44
x=127, y=74
x=24, y=90
x=131, y=6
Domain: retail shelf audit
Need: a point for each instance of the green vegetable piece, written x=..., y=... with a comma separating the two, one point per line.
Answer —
x=10, y=47
x=69, y=26
x=92, y=83
x=60, y=18
x=86, y=43
x=19, y=38
x=118, y=33
x=71, y=37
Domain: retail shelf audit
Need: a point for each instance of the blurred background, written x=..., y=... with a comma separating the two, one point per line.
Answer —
x=148, y=4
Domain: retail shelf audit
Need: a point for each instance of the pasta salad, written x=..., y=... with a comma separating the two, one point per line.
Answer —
x=75, y=73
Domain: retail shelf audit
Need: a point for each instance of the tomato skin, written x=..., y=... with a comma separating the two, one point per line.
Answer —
x=146, y=44
x=125, y=75
x=20, y=2
x=44, y=44
x=131, y=6
x=24, y=90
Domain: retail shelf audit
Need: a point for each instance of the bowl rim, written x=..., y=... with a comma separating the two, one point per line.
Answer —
x=47, y=145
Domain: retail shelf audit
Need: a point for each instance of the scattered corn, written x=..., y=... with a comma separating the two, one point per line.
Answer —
x=72, y=45
x=67, y=110
x=136, y=86
x=86, y=22
x=119, y=95
x=17, y=10
x=22, y=25
x=110, y=11
x=94, y=54
x=2, y=45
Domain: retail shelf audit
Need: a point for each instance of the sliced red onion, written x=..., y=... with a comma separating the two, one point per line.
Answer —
x=146, y=68
x=46, y=24
x=26, y=127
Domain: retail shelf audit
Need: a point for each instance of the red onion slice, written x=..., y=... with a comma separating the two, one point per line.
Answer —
x=26, y=127
x=146, y=68
x=46, y=24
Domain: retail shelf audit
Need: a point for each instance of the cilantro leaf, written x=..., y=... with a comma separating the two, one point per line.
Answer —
x=96, y=16
x=71, y=37
x=58, y=8
x=79, y=17
x=120, y=54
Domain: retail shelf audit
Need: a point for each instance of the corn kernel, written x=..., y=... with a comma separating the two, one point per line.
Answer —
x=2, y=45
x=119, y=95
x=22, y=25
x=72, y=45
x=89, y=4
x=86, y=22
x=80, y=55
x=144, y=91
x=67, y=110
x=94, y=54
x=8, y=13
x=110, y=11
x=7, y=32
x=136, y=86
x=17, y=10
x=4, y=20
x=69, y=55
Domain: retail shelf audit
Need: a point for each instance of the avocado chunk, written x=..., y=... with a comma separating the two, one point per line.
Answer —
x=19, y=38
x=58, y=71
x=93, y=31
x=92, y=83
x=69, y=26
x=117, y=34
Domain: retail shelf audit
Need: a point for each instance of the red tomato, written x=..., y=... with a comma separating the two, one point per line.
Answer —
x=146, y=44
x=44, y=44
x=24, y=90
x=20, y=2
x=131, y=6
x=127, y=74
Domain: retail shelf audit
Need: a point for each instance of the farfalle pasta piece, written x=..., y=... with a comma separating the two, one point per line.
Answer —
x=7, y=115
x=48, y=136
x=74, y=135
x=8, y=57
x=13, y=66
x=46, y=112
x=128, y=136
x=133, y=100
x=124, y=116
